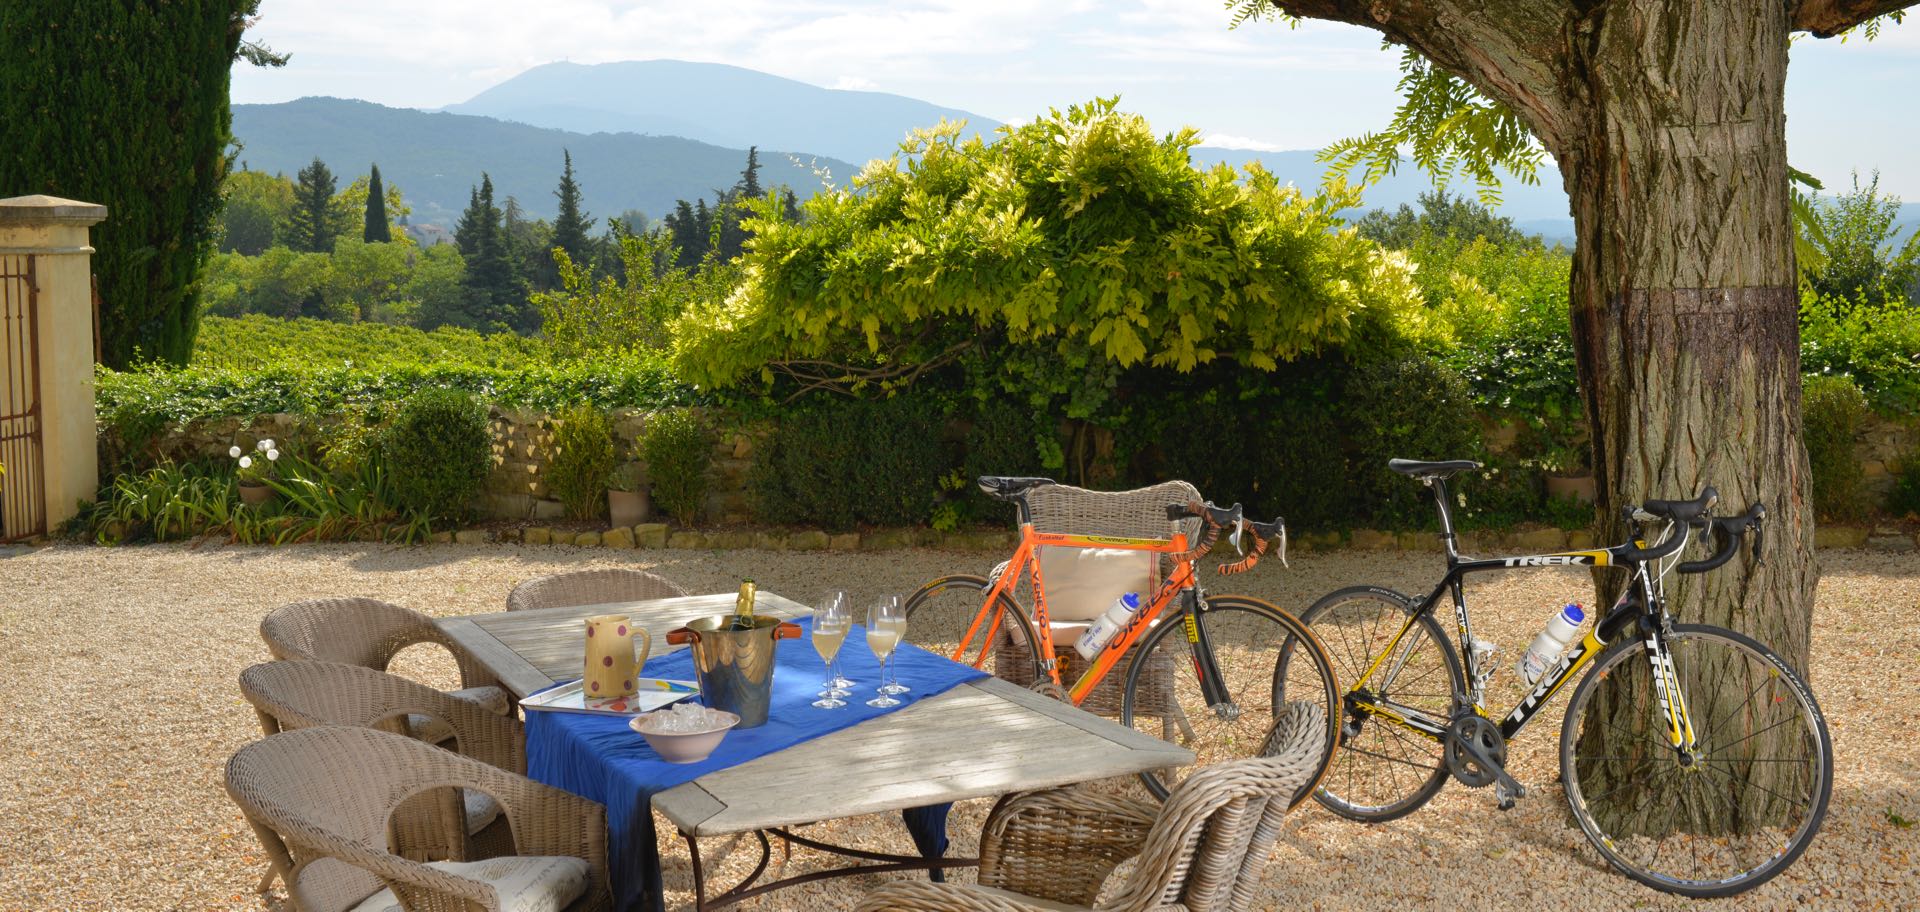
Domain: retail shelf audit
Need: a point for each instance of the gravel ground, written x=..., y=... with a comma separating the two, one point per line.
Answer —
x=117, y=669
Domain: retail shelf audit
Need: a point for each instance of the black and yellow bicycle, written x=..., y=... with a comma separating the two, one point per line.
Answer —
x=1694, y=758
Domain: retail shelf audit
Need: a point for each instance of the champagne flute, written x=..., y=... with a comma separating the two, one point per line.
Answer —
x=839, y=682
x=831, y=620
x=885, y=621
x=898, y=625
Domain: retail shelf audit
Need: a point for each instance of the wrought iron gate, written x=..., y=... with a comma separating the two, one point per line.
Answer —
x=23, y=487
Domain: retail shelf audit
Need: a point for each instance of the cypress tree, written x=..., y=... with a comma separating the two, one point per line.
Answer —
x=749, y=186
x=684, y=228
x=571, y=226
x=494, y=296
x=125, y=104
x=375, y=231
x=466, y=232
x=309, y=227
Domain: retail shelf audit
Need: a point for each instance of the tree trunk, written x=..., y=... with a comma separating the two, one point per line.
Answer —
x=1684, y=307
x=1684, y=314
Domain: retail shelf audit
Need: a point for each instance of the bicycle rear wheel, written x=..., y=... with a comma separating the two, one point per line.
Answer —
x=940, y=614
x=1735, y=813
x=1385, y=771
x=1267, y=659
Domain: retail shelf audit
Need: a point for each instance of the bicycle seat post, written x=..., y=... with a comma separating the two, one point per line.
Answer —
x=1439, y=485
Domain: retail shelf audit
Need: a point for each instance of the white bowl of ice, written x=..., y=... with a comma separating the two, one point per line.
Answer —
x=684, y=732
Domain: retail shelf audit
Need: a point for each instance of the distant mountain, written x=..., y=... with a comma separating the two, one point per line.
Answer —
x=713, y=103
x=435, y=159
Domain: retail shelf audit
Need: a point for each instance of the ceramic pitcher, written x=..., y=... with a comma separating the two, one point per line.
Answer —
x=612, y=659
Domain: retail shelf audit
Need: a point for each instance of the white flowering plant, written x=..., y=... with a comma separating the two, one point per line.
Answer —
x=255, y=468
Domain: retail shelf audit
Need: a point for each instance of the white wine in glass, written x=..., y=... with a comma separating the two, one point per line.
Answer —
x=886, y=621
x=832, y=618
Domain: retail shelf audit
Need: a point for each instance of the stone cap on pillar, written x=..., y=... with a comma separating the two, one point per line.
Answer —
x=41, y=209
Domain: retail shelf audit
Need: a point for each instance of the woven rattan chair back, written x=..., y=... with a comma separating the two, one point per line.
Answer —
x=358, y=631
x=1208, y=847
x=295, y=695
x=329, y=792
x=591, y=587
x=1139, y=513
x=433, y=825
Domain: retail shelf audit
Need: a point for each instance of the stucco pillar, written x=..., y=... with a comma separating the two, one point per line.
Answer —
x=46, y=238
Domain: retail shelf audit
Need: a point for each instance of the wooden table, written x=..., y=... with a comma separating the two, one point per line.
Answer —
x=977, y=740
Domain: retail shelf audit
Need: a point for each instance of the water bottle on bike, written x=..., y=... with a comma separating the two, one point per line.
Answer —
x=1107, y=625
x=1550, y=643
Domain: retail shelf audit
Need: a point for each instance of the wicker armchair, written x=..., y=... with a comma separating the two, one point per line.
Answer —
x=590, y=587
x=369, y=633
x=1139, y=513
x=1202, y=851
x=446, y=824
x=329, y=793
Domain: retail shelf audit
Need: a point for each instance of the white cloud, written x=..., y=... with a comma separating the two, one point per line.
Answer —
x=1230, y=141
x=855, y=83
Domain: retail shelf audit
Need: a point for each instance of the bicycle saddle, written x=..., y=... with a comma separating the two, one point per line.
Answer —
x=1008, y=487
x=1421, y=469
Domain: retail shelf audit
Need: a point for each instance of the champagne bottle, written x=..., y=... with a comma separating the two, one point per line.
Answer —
x=743, y=607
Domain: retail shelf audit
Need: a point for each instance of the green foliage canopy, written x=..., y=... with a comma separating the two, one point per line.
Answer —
x=1081, y=229
x=586, y=317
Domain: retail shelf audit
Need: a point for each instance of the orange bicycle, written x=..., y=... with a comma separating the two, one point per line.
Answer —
x=1213, y=673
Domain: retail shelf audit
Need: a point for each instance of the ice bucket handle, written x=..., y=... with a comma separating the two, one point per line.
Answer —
x=681, y=636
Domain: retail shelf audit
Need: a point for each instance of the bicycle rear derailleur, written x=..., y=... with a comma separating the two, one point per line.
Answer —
x=1477, y=756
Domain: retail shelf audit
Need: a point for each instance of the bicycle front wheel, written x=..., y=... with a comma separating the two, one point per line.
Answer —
x=941, y=614
x=1267, y=660
x=1386, y=770
x=1724, y=818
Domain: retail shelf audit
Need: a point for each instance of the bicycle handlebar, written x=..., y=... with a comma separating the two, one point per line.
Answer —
x=1729, y=529
x=1216, y=518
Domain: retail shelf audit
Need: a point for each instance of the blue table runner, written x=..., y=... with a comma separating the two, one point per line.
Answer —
x=598, y=757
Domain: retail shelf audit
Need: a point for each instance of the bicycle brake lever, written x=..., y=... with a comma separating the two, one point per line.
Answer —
x=1283, y=547
x=1234, y=540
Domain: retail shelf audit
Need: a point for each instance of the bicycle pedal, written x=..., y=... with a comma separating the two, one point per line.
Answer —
x=1507, y=798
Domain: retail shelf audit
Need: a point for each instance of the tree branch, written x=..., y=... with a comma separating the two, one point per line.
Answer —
x=1512, y=52
x=1827, y=18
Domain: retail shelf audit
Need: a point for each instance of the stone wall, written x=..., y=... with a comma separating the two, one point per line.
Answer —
x=522, y=442
x=516, y=488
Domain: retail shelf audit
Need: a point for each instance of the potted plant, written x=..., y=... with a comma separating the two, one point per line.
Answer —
x=254, y=469
x=627, y=500
x=1564, y=463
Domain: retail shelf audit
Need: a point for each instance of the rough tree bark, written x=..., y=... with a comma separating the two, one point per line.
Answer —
x=1667, y=119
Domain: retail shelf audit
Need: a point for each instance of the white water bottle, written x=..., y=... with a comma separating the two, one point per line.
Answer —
x=1550, y=643
x=1106, y=625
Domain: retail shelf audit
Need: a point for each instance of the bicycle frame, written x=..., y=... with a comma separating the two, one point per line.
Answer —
x=1025, y=561
x=1642, y=600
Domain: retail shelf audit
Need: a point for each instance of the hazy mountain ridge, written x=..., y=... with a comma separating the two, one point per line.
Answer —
x=436, y=158
x=714, y=103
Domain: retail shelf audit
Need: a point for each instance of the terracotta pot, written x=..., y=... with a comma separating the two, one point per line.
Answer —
x=1578, y=487
x=627, y=508
x=255, y=494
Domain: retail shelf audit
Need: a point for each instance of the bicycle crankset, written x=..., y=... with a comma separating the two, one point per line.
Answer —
x=1477, y=753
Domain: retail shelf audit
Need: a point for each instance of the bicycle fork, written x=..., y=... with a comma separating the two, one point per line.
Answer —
x=1213, y=687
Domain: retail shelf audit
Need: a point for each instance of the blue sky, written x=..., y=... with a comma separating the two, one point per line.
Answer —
x=1263, y=86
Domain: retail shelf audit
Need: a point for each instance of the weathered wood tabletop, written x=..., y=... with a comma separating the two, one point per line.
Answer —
x=531, y=651
x=981, y=739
